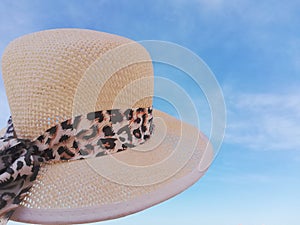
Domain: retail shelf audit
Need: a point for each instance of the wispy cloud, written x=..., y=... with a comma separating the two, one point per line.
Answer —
x=264, y=121
x=245, y=178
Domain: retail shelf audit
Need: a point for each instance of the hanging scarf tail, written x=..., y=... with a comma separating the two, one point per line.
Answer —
x=110, y=131
x=5, y=217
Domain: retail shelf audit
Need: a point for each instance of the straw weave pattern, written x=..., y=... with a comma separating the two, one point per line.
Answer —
x=42, y=72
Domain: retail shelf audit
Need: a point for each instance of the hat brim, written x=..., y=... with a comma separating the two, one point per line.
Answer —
x=108, y=187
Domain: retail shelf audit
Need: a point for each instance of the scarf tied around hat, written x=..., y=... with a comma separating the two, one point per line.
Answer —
x=92, y=135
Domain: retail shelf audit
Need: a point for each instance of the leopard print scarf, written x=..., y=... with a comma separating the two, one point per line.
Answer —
x=92, y=135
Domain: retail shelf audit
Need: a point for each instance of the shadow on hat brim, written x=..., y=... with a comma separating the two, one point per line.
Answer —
x=107, y=188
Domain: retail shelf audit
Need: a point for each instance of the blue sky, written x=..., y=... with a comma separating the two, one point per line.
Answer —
x=253, y=48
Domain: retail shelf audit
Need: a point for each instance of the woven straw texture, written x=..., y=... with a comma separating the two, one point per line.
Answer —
x=54, y=75
x=52, y=189
x=84, y=185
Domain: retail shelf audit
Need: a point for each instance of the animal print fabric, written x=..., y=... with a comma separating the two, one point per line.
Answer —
x=92, y=135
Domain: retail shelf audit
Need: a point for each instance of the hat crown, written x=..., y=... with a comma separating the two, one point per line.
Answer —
x=53, y=75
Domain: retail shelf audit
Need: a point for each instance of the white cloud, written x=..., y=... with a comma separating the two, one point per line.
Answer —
x=245, y=178
x=264, y=121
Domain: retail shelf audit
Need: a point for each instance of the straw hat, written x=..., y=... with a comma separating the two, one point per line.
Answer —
x=55, y=75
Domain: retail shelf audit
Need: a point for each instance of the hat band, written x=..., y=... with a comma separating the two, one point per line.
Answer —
x=86, y=136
